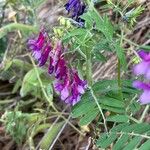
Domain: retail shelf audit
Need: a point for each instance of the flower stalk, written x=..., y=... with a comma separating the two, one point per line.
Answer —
x=89, y=67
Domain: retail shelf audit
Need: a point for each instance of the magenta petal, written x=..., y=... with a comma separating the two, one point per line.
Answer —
x=80, y=89
x=141, y=68
x=72, y=101
x=64, y=93
x=141, y=85
x=36, y=55
x=44, y=55
x=37, y=44
x=76, y=100
x=145, y=97
x=144, y=55
x=60, y=69
x=58, y=86
x=51, y=67
x=41, y=39
x=147, y=75
x=68, y=100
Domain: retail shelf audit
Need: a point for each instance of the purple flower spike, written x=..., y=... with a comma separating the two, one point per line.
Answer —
x=67, y=82
x=37, y=44
x=40, y=47
x=143, y=68
x=44, y=56
x=77, y=8
x=145, y=96
x=144, y=55
x=79, y=81
x=61, y=69
x=75, y=95
x=141, y=85
x=51, y=67
x=78, y=87
x=65, y=92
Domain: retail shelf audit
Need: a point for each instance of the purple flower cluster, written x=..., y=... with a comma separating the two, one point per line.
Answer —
x=143, y=68
x=67, y=81
x=40, y=47
x=76, y=8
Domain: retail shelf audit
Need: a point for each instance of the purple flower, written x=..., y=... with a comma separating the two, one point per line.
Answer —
x=82, y=84
x=44, y=55
x=51, y=67
x=40, y=47
x=143, y=68
x=65, y=92
x=75, y=95
x=76, y=8
x=63, y=87
x=78, y=87
x=67, y=82
x=70, y=88
x=145, y=96
x=37, y=43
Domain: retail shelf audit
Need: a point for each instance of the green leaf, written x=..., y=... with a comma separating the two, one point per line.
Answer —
x=16, y=26
x=145, y=47
x=133, y=143
x=113, y=109
x=145, y=146
x=111, y=102
x=118, y=118
x=88, y=20
x=102, y=45
x=78, y=34
x=121, y=142
x=103, y=25
x=137, y=128
x=34, y=4
x=79, y=110
x=135, y=107
x=104, y=86
x=88, y=117
x=3, y=45
x=121, y=55
x=17, y=86
x=50, y=136
x=30, y=82
x=99, y=57
x=40, y=128
x=128, y=136
x=105, y=143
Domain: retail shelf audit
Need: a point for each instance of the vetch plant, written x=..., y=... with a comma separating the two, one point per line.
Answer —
x=91, y=99
x=66, y=59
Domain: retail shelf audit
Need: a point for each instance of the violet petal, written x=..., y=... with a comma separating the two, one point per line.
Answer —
x=145, y=97
x=141, y=85
x=141, y=68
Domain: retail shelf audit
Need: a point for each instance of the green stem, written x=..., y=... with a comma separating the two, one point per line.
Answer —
x=119, y=80
x=128, y=41
x=144, y=113
x=119, y=74
x=133, y=119
x=100, y=109
x=119, y=66
x=49, y=99
x=88, y=67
